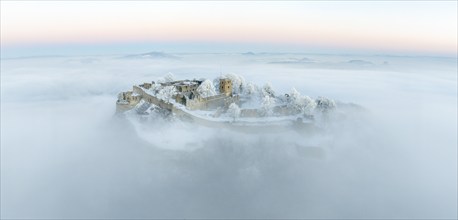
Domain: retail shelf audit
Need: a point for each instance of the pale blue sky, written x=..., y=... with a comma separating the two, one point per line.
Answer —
x=81, y=27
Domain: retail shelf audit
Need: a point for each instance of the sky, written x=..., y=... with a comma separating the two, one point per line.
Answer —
x=83, y=27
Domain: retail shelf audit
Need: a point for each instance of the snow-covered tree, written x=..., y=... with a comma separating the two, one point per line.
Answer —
x=238, y=82
x=268, y=104
x=302, y=104
x=206, y=89
x=169, y=77
x=294, y=94
x=156, y=88
x=324, y=104
x=121, y=96
x=309, y=104
x=268, y=90
x=167, y=93
x=250, y=89
x=234, y=111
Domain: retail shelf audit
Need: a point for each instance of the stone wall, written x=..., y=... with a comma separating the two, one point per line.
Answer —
x=152, y=99
x=127, y=101
x=212, y=102
x=201, y=103
x=249, y=113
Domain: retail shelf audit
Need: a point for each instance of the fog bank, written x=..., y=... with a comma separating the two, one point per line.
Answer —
x=64, y=155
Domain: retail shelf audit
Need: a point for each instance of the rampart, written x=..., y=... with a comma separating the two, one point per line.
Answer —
x=176, y=111
x=211, y=102
x=151, y=99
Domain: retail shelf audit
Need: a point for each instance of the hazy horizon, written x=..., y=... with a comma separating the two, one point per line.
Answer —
x=409, y=28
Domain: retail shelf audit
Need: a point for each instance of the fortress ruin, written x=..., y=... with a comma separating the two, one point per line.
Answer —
x=184, y=93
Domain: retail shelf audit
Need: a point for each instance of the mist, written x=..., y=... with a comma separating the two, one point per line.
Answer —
x=64, y=153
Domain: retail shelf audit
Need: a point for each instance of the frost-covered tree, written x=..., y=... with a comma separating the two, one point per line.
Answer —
x=234, y=111
x=250, y=89
x=309, y=104
x=169, y=77
x=294, y=94
x=238, y=82
x=268, y=90
x=324, y=104
x=268, y=104
x=166, y=93
x=120, y=96
x=206, y=89
x=156, y=88
x=300, y=103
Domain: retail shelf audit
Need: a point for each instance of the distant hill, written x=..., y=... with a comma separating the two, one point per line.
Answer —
x=293, y=61
x=152, y=55
x=249, y=53
x=361, y=63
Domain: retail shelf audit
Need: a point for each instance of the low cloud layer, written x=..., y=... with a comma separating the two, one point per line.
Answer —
x=64, y=155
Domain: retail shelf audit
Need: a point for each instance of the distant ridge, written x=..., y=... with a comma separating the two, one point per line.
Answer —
x=361, y=63
x=293, y=61
x=249, y=53
x=152, y=55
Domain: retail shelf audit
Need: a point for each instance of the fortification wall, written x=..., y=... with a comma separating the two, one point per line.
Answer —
x=122, y=107
x=127, y=101
x=212, y=102
x=216, y=101
x=138, y=90
x=249, y=113
x=193, y=118
x=176, y=111
x=151, y=99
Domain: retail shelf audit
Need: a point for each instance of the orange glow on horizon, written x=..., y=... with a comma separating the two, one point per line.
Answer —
x=81, y=22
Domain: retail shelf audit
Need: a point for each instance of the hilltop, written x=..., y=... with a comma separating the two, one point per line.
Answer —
x=225, y=99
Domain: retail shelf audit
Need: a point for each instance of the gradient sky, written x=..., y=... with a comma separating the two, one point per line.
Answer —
x=292, y=26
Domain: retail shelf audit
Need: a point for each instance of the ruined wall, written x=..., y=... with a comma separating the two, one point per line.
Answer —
x=187, y=88
x=250, y=113
x=285, y=110
x=147, y=85
x=127, y=100
x=138, y=90
x=192, y=118
x=211, y=102
x=122, y=107
x=151, y=99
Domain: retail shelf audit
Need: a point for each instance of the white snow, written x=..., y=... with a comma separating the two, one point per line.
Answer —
x=206, y=89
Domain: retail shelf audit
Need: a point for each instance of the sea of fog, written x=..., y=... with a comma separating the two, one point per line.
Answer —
x=64, y=155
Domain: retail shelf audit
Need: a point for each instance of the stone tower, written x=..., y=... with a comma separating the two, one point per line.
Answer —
x=225, y=86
